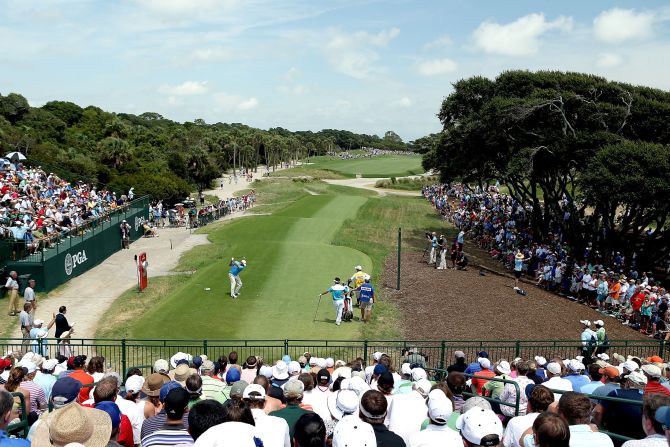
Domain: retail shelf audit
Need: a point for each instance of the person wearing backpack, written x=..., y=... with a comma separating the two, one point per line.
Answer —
x=602, y=340
x=589, y=340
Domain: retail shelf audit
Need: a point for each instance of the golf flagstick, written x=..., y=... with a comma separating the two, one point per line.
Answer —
x=317, y=309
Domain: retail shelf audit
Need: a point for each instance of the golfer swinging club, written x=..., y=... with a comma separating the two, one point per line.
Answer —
x=338, y=291
x=236, y=268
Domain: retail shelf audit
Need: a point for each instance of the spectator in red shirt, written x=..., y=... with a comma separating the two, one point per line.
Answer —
x=477, y=383
x=82, y=376
x=654, y=373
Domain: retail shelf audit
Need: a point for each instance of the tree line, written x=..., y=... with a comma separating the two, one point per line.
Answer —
x=585, y=154
x=155, y=155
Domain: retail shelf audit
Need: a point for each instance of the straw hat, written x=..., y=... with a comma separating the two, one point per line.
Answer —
x=519, y=255
x=152, y=386
x=74, y=423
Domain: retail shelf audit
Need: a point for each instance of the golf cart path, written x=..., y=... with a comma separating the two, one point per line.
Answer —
x=88, y=296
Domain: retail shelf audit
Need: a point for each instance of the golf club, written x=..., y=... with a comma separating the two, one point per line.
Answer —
x=317, y=309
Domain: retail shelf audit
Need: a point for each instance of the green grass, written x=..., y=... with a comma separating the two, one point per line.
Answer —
x=383, y=166
x=407, y=184
x=293, y=255
x=308, y=171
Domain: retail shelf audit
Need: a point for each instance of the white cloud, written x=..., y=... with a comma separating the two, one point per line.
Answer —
x=435, y=67
x=518, y=38
x=184, y=89
x=403, y=102
x=248, y=104
x=355, y=55
x=440, y=42
x=609, y=60
x=292, y=74
x=212, y=54
x=618, y=25
x=297, y=89
x=232, y=102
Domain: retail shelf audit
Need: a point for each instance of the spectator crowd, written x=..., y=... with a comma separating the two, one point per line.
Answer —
x=37, y=208
x=311, y=401
x=368, y=153
x=162, y=216
x=501, y=226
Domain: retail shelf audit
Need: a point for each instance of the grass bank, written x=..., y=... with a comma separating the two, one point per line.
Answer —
x=407, y=184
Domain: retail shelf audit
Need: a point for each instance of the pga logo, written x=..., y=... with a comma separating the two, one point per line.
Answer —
x=72, y=261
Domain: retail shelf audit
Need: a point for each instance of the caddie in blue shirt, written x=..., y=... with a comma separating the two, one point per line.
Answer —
x=236, y=268
x=366, y=299
x=338, y=291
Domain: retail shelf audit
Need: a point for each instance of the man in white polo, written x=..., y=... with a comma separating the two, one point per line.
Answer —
x=12, y=286
x=272, y=430
x=29, y=296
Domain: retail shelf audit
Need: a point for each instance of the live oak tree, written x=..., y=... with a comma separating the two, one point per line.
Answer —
x=540, y=134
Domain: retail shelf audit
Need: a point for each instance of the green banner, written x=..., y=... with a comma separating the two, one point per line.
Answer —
x=79, y=253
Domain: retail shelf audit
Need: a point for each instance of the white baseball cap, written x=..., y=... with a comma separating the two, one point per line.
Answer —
x=29, y=365
x=254, y=388
x=504, y=367
x=440, y=407
x=630, y=365
x=541, y=361
x=637, y=378
x=477, y=424
x=244, y=262
x=423, y=386
x=406, y=369
x=351, y=431
x=266, y=371
x=161, y=366
x=358, y=267
x=294, y=367
x=652, y=371
x=554, y=368
x=575, y=365
x=377, y=355
x=134, y=384
x=330, y=362
x=342, y=403
x=484, y=363
x=418, y=374
x=49, y=365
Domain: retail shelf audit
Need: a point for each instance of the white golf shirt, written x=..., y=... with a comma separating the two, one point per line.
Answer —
x=272, y=430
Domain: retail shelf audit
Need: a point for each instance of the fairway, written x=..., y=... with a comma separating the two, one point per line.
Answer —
x=291, y=260
x=382, y=166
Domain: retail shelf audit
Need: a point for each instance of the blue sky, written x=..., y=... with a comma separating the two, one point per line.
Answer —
x=363, y=65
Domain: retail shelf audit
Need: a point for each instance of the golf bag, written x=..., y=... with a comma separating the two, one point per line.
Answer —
x=347, y=312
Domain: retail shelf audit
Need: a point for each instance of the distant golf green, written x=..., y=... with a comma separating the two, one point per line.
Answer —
x=382, y=166
x=290, y=260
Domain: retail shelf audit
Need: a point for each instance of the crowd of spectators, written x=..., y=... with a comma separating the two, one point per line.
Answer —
x=311, y=401
x=191, y=216
x=38, y=208
x=501, y=226
x=368, y=153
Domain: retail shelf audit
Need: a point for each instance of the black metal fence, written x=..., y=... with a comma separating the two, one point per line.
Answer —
x=123, y=353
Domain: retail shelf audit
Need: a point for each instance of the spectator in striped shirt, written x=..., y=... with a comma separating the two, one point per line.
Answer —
x=174, y=431
x=151, y=425
x=38, y=400
x=212, y=388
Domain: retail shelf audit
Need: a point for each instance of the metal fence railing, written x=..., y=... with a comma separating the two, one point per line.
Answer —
x=123, y=353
